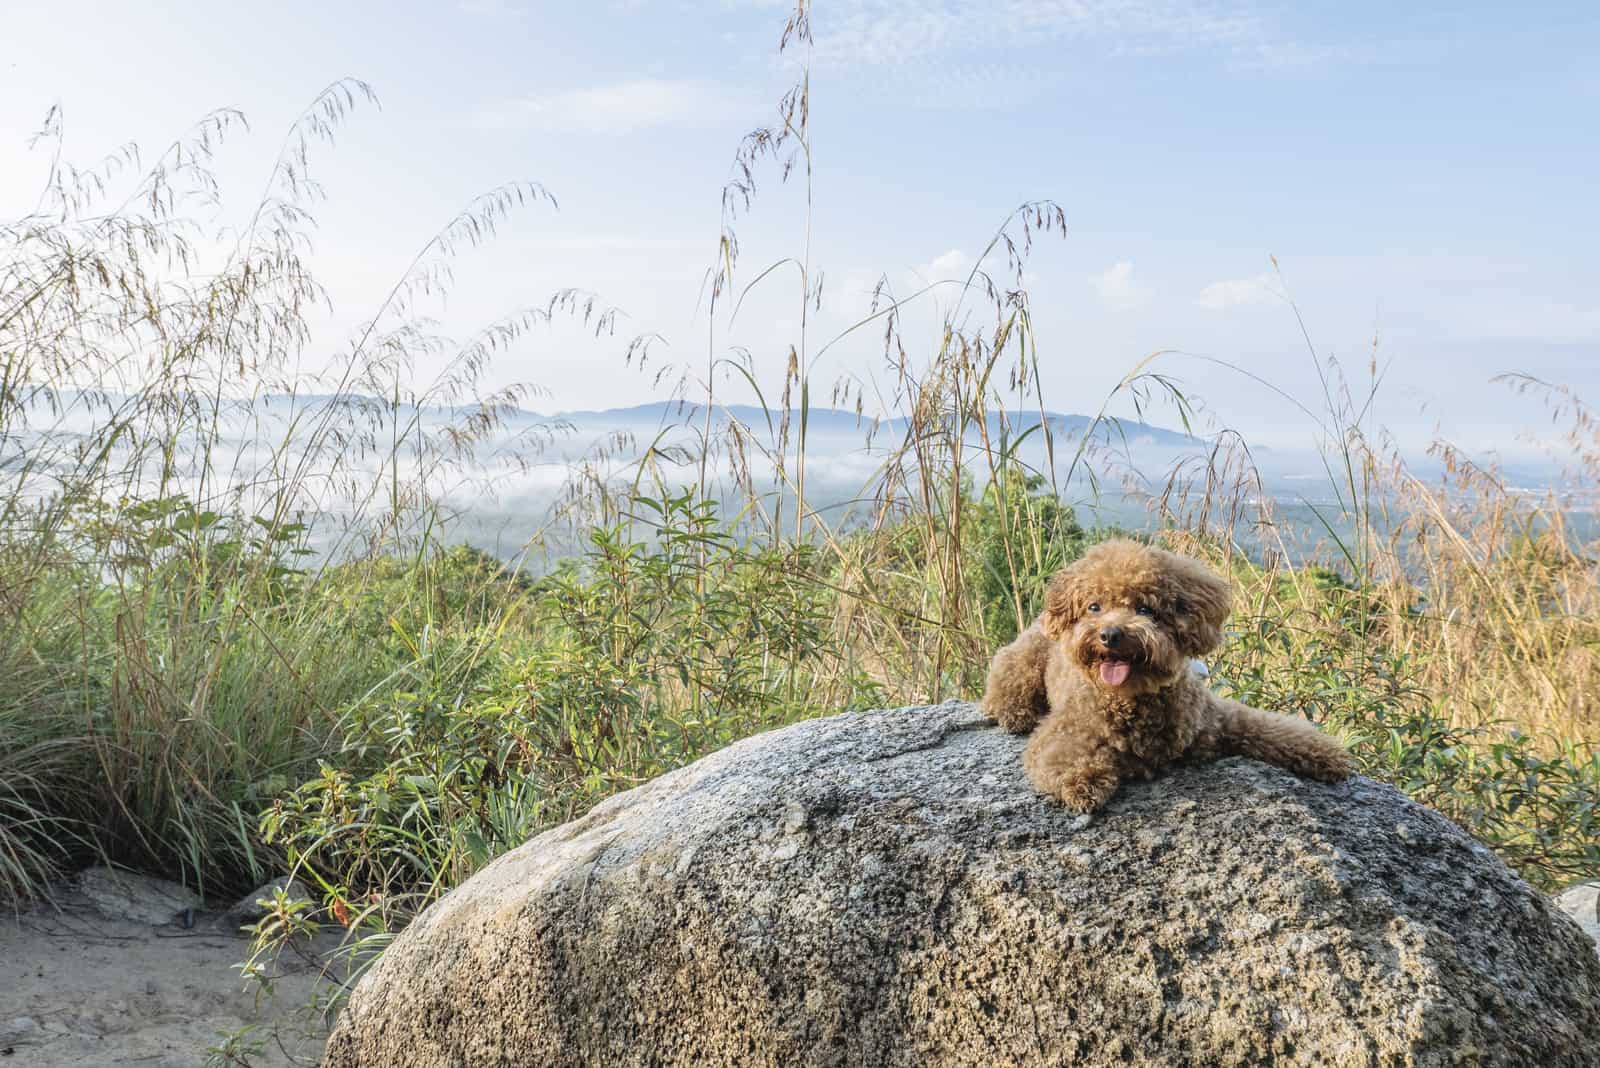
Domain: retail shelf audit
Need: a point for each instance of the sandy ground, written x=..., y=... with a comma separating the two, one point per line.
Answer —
x=79, y=988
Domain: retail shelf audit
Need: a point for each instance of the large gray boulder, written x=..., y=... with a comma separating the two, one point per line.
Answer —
x=885, y=888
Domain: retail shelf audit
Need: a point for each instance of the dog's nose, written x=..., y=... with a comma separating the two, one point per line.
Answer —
x=1110, y=635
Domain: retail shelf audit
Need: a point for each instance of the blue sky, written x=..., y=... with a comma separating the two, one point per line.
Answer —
x=1424, y=174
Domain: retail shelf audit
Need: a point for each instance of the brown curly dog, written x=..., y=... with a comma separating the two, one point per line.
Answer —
x=1106, y=668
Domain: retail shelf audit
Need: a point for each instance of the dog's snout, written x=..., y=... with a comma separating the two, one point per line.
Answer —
x=1110, y=635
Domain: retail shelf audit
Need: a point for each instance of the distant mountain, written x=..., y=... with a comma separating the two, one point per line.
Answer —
x=1110, y=429
x=660, y=413
x=835, y=421
x=820, y=421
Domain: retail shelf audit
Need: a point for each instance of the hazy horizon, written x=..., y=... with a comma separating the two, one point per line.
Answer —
x=520, y=474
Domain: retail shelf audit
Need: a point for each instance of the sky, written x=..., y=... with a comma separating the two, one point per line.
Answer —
x=1423, y=174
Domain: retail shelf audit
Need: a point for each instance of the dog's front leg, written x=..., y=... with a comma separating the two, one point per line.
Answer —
x=1072, y=766
x=1014, y=694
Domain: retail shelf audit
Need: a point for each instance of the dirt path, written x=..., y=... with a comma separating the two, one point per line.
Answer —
x=79, y=988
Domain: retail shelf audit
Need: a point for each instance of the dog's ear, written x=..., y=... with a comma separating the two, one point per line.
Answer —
x=1063, y=602
x=1200, y=601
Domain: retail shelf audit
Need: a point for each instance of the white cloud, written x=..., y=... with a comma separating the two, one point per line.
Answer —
x=890, y=32
x=947, y=266
x=1118, y=289
x=488, y=8
x=616, y=243
x=1239, y=292
x=621, y=107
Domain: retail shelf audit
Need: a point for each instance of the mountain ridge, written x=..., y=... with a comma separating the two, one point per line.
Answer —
x=838, y=420
x=660, y=413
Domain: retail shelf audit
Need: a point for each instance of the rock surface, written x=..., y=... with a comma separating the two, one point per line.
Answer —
x=255, y=905
x=886, y=889
x=124, y=895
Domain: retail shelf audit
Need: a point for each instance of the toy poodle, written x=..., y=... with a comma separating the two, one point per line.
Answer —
x=1107, y=670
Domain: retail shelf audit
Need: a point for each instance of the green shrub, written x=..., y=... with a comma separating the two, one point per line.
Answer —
x=1318, y=651
x=641, y=656
x=1021, y=535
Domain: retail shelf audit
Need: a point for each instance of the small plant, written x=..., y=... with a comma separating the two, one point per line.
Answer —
x=240, y=1047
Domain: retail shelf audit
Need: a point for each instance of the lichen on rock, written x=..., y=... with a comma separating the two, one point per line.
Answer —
x=885, y=888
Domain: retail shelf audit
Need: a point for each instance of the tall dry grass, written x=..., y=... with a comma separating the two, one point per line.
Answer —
x=177, y=626
x=1491, y=591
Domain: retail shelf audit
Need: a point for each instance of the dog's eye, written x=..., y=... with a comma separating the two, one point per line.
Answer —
x=1094, y=606
x=1145, y=610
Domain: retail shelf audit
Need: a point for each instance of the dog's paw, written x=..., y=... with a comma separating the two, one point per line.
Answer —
x=1326, y=760
x=1086, y=795
x=1016, y=720
x=1330, y=767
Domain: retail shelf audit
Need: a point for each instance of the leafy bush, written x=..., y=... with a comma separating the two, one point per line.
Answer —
x=639, y=657
x=1022, y=534
x=1317, y=648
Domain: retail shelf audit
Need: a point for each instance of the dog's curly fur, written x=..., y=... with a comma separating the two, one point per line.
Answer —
x=1105, y=677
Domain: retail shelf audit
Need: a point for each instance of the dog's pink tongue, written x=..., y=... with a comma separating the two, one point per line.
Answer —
x=1114, y=672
